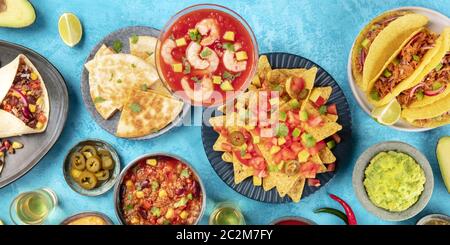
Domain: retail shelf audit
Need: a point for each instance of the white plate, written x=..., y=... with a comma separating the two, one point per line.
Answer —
x=437, y=22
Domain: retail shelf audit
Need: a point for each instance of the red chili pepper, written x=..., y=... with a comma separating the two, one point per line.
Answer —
x=348, y=210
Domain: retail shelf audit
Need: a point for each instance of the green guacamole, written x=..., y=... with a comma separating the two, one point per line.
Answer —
x=394, y=181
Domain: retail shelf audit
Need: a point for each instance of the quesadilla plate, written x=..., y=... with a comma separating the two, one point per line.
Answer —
x=119, y=65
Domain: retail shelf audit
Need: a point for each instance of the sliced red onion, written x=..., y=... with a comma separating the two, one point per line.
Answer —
x=435, y=92
x=362, y=58
x=23, y=97
x=3, y=148
x=413, y=90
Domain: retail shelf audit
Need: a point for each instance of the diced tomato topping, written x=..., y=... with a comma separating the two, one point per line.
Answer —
x=296, y=147
x=274, y=141
x=277, y=157
x=293, y=118
x=42, y=118
x=336, y=138
x=258, y=163
x=320, y=101
x=320, y=145
x=288, y=154
x=331, y=167
x=35, y=84
x=298, y=84
x=146, y=205
x=309, y=169
x=261, y=173
x=331, y=109
x=313, y=151
x=227, y=146
x=314, y=182
x=315, y=121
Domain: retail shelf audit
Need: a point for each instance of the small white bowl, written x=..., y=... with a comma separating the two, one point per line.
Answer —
x=358, y=179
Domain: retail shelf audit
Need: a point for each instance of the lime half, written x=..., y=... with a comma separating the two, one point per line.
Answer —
x=70, y=29
x=388, y=114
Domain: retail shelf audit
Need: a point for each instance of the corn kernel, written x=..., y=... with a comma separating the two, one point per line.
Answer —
x=134, y=220
x=274, y=149
x=39, y=125
x=241, y=55
x=152, y=162
x=2, y=154
x=177, y=67
x=32, y=107
x=17, y=145
x=169, y=213
x=180, y=42
x=40, y=102
x=184, y=214
x=129, y=183
x=139, y=194
x=229, y=35
x=33, y=76
x=162, y=193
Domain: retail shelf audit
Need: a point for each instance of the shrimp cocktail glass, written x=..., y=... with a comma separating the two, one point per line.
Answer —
x=206, y=55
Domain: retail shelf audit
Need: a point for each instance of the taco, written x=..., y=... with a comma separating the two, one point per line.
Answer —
x=378, y=40
x=434, y=82
x=404, y=66
x=429, y=116
x=24, y=103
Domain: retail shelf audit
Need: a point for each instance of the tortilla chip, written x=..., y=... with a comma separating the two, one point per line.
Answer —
x=296, y=192
x=159, y=87
x=324, y=92
x=103, y=50
x=326, y=156
x=143, y=46
x=257, y=181
x=241, y=172
x=218, y=144
x=147, y=112
x=269, y=182
x=285, y=182
x=324, y=131
x=263, y=67
x=227, y=157
x=316, y=159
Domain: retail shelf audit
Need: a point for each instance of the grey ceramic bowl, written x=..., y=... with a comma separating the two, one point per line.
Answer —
x=118, y=186
x=85, y=214
x=103, y=187
x=358, y=178
x=429, y=217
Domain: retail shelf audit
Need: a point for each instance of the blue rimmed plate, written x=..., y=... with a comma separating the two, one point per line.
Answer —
x=225, y=170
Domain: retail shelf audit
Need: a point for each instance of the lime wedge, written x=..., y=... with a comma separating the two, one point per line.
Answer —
x=388, y=114
x=70, y=29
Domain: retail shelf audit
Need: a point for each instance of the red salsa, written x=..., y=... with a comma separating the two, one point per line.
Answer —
x=161, y=191
x=25, y=99
x=291, y=222
x=206, y=51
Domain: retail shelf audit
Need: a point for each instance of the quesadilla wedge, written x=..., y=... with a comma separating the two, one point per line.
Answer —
x=143, y=46
x=433, y=115
x=146, y=112
x=24, y=103
x=378, y=40
x=112, y=76
x=404, y=66
x=434, y=82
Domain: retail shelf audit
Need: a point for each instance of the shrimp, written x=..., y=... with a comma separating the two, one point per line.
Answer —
x=230, y=62
x=166, y=51
x=192, y=54
x=201, y=92
x=206, y=26
x=209, y=63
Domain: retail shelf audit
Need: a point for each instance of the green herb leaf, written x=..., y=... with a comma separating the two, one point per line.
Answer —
x=323, y=110
x=187, y=66
x=184, y=173
x=111, y=77
x=205, y=52
x=228, y=46
x=149, y=53
x=155, y=186
x=144, y=87
x=282, y=130
x=195, y=35
x=419, y=95
x=374, y=95
x=133, y=65
x=119, y=81
x=136, y=108
x=416, y=58
x=228, y=76
x=195, y=79
x=99, y=100
x=439, y=67
x=117, y=46
x=129, y=207
x=155, y=211
x=134, y=39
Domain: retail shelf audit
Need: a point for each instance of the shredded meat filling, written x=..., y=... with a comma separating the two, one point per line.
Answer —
x=405, y=63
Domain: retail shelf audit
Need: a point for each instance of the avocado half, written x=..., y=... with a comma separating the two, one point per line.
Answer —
x=442, y=149
x=16, y=13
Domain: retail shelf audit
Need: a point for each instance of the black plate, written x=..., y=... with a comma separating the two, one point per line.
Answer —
x=110, y=125
x=36, y=145
x=246, y=188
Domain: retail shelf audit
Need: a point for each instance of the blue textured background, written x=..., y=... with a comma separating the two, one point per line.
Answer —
x=322, y=31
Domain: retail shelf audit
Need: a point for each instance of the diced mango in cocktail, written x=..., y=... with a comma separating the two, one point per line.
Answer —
x=303, y=155
x=229, y=36
x=177, y=67
x=217, y=79
x=241, y=55
x=180, y=42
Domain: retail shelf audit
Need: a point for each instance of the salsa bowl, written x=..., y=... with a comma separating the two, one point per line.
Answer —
x=158, y=189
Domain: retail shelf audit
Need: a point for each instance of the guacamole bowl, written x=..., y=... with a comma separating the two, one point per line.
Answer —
x=377, y=172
